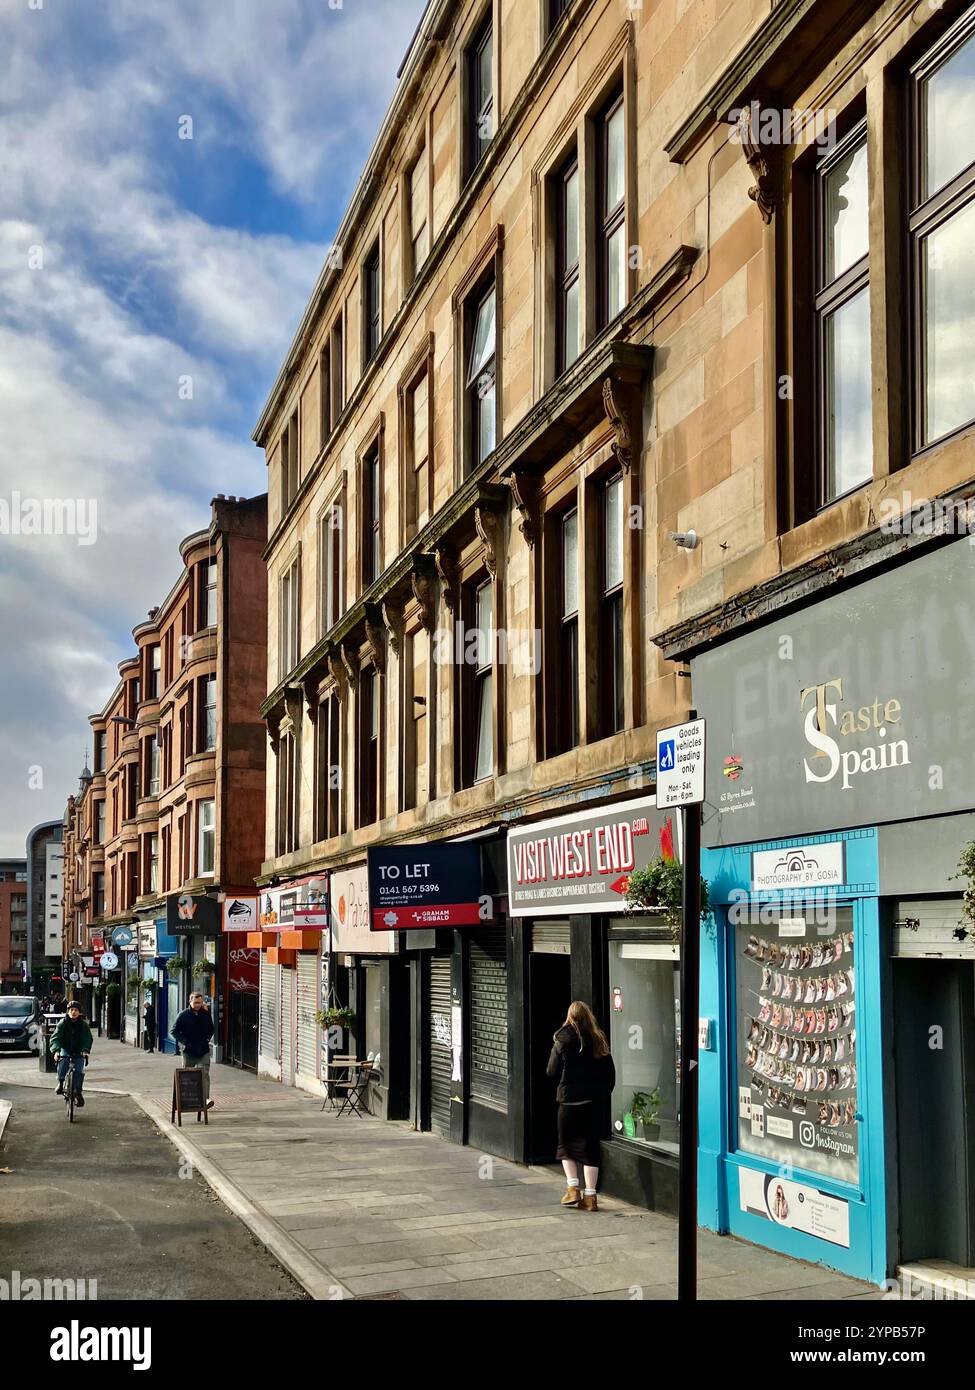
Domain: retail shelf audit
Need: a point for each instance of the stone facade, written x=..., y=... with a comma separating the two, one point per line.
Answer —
x=700, y=421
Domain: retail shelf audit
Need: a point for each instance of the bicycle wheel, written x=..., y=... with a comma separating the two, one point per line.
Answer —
x=69, y=1096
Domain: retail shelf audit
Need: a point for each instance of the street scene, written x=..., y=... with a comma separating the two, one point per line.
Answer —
x=488, y=582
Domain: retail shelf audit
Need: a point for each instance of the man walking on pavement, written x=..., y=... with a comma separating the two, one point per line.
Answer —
x=193, y=1030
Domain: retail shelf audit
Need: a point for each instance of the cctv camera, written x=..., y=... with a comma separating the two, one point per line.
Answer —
x=687, y=540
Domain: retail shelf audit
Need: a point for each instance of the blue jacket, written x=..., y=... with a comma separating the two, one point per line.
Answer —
x=194, y=1031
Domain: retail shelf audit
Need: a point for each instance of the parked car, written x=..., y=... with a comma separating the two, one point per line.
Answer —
x=19, y=1023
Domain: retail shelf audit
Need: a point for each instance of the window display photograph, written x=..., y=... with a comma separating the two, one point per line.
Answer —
x=797, y=1041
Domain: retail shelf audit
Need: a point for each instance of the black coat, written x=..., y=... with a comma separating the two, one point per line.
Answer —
x=580, y=1075
x=194, y=1031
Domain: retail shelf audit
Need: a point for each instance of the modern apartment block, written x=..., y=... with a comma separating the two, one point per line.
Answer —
x=637, y=382
x=13, y=924
x=170, y=818
x=45, y=890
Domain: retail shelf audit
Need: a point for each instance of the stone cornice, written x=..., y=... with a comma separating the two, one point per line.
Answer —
x=789, y=34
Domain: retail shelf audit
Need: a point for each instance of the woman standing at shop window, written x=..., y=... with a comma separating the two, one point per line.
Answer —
x=582, y=1064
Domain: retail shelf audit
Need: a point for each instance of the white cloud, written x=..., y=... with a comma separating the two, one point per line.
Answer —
x=138, y=290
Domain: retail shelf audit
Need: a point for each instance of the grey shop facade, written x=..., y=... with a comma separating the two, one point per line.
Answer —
x=838, y=973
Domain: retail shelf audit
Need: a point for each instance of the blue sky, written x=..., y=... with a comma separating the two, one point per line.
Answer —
x=129, y=260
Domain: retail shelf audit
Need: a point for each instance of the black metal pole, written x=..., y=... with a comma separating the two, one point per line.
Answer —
x=690, y=975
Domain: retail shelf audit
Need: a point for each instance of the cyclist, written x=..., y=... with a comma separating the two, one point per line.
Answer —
x=72, y=1041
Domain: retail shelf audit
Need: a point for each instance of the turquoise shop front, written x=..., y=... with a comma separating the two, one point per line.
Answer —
x=792, y=1077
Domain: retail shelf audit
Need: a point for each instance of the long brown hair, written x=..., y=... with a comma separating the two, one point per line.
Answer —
x=582, y=1021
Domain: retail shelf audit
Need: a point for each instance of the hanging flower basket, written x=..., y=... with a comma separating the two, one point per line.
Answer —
x=342, y=1017
x=967, y=866
x=660, y=886
x=204, y=967
x=176, y=964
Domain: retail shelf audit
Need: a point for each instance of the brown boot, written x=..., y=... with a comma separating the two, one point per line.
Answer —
x=588, y=1203
x=570, y=1197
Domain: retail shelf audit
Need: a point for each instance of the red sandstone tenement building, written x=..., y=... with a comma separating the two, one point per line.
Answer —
x=171, y=815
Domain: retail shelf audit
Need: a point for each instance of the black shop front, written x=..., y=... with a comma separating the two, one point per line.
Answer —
x=567, y=880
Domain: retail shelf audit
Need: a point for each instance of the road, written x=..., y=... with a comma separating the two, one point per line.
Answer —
x=103, y=1199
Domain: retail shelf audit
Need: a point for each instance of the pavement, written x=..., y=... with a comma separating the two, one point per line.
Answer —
x=370, y=1209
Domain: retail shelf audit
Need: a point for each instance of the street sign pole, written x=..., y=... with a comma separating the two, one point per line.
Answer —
x=680, y=783
x=690, y=976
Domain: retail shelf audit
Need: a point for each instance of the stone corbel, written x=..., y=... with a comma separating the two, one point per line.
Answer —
x=524, y=495
x=293, y=702
x=336, y=670
x=448, y=576
x=487, y=523
x=350, y=665
x=310, y=691
x=273, y=731
x=392, y=611
x=618, y=415
x=763, y=190
x=376, y=636
x=422, y=582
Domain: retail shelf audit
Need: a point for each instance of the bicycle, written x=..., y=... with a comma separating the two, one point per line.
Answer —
x=69, y=1091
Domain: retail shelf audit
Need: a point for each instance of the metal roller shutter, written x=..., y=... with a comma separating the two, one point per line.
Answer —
x=489, y=1017
x=289, y=1043
x=308, y=1042
x=551, y=938
x=270, y=1033
x=440, y=1055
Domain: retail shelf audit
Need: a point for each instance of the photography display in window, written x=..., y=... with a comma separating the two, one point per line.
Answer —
x=797, y=1041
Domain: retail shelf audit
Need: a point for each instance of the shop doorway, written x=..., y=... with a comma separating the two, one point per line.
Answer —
x=243, y=1030
x=549, y=997
x=935, y=1086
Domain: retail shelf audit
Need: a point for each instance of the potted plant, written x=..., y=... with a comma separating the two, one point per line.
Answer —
x=645, y=1108
x=176, y=964
x=204, y=967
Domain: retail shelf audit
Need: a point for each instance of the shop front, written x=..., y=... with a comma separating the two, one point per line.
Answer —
x=194, y=920
x=366, y=973
x=459, y=1002
x=838, y=970
x=567, y=879
x=241, y=982
x=291, y=943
